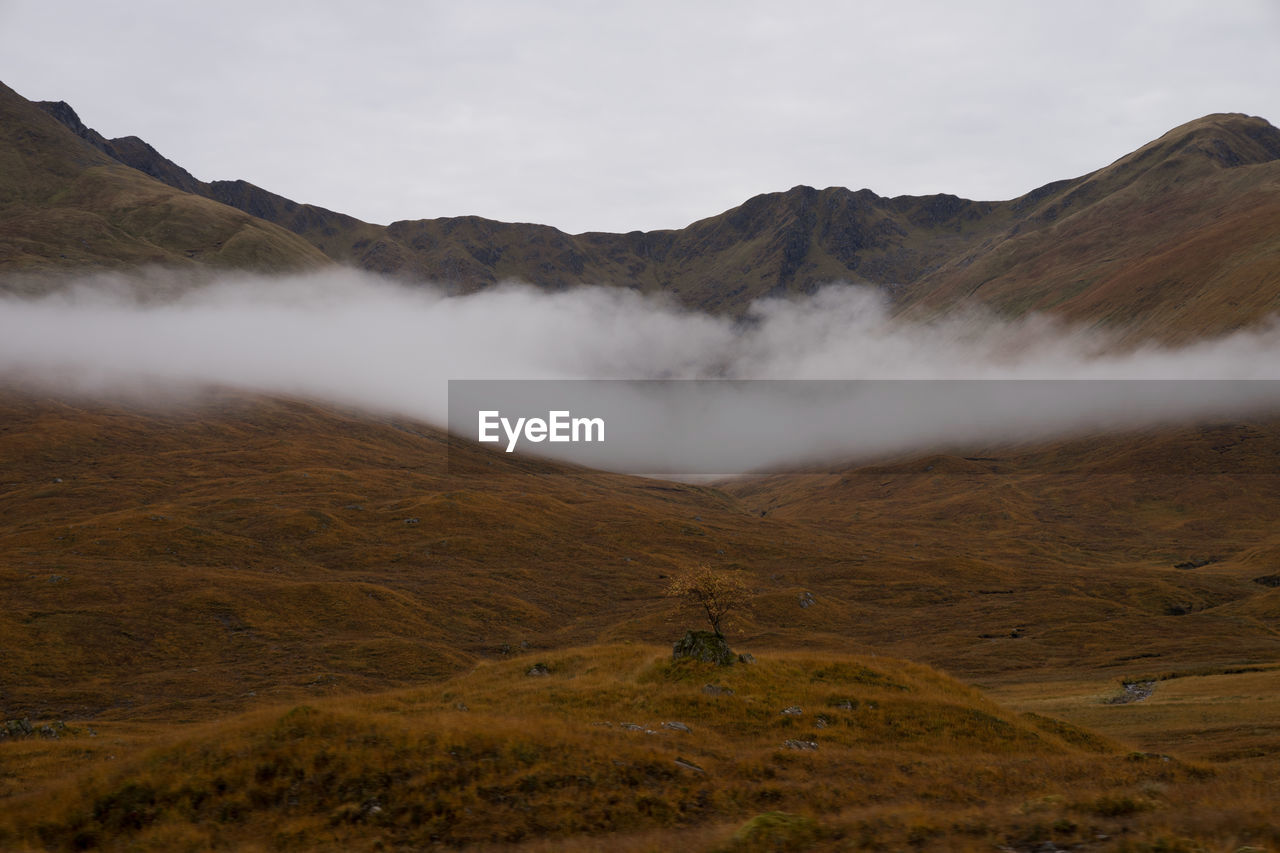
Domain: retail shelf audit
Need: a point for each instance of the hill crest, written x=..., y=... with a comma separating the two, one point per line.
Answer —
x=1175, y=241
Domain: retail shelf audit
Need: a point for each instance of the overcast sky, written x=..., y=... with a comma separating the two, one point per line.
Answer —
x=617, y=116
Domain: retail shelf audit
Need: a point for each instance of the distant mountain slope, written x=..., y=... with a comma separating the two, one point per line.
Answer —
x=1178, y=240
x=178, y=559
x=65, y=203
x=771, y=245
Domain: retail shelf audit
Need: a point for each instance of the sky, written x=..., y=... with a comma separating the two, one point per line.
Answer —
x=620, y=116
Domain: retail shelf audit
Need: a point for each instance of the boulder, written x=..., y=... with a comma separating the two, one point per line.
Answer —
x=704, y=646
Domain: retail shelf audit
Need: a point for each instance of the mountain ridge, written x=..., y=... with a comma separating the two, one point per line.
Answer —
x=1174, y=241
x=67, y=204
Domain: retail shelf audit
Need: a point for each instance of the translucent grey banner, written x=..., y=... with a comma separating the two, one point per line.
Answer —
x=678, y=428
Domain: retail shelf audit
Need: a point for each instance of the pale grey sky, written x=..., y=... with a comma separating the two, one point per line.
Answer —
x=628, y=115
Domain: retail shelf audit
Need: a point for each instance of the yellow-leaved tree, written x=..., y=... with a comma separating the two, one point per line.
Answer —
x=715, y=592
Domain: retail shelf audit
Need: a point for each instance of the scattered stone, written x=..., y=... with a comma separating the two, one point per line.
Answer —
x=688, y=765
x=53, y=730
x=461, y=706
x=800, y=744
x=1134, y=691
x=411, y=521
x=806, y=599
x=705, y=646
x=678, y=727
x=820, y=722
x=846, y=705
x=717, y=690
x=793, y=711
x=538, y=669
x=632, y=727
x=746, y=657
x=605, y=723
x=22, y=728
x=16, y=728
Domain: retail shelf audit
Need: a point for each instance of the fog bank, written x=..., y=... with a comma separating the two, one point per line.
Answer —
x=355, y=339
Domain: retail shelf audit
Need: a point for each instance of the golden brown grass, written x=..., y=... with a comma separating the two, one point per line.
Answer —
x=904, y=755
x=1221, y=717
x=247, y=556
x=192, y=561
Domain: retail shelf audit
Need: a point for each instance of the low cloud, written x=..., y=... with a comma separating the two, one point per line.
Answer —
x=355, y=339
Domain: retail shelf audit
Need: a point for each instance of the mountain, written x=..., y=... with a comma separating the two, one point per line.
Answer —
x=1175, y=241
x=772, y=245
x=1178, y=240
x=65, y=203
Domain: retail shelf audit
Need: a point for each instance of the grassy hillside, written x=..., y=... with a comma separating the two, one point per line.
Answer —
x=165, y=562
x=66, y=205
x=619, y=748
x=1176, y=241
x=215, y=595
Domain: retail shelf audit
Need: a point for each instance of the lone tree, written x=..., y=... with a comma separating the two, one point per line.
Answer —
x=716, y=593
